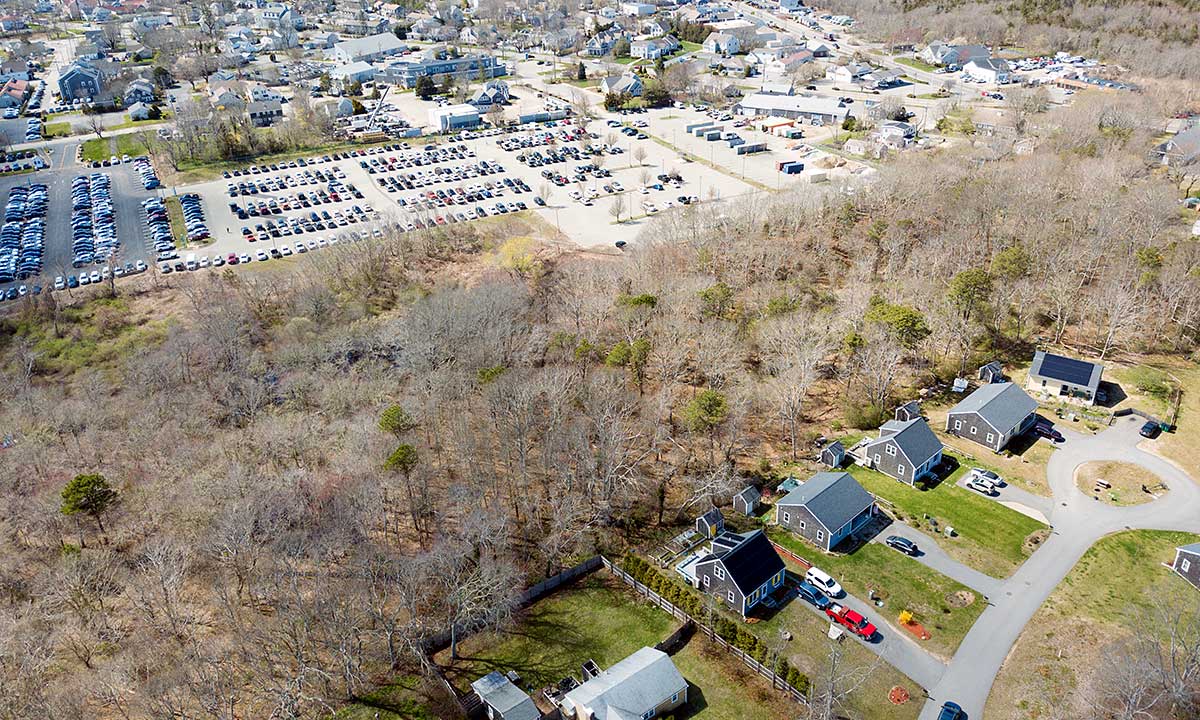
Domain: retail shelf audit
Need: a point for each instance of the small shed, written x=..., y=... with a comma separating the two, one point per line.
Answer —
x=833, y=455
x=993, y=372
x=910, y=410
x=746, y=502
x=711, y=523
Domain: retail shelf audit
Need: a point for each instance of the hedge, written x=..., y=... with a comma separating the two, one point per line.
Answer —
x=734, y=633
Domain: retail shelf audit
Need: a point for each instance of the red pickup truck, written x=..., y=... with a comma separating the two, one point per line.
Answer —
x=851, y=620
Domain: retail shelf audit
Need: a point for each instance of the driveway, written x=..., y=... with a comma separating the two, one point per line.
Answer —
x=1077, y=521
x=935, y=558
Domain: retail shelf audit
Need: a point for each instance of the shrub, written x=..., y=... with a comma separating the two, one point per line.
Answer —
x=864, y=416
x=1151, y=381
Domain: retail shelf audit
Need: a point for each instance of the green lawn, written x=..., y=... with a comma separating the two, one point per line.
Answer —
x=175, y=216
x=903, y=584
x=200, y=170
x=600, y=619
x=690, y=47
x=916, y=64
x=991, y=538
x=1110, y=588
x=58, y=129
x=131, y=144
x=136, y=123
x=406, y=698
x=97, y=149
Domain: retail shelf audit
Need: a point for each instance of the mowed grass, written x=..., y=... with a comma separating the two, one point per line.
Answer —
x=405, y=698
x=946, y=607
x=1125, y=482
x=1109, y=590
x=599, y=618
x=593, y=619
x=990, y=537
x=97, y=149
x=916, y=64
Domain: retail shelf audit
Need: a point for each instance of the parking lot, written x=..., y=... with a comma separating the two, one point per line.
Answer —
x=126, y=193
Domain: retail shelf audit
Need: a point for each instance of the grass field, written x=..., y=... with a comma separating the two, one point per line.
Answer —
x=1116, y=580
x=689, y=47
x=198, y=170
x=96, y=149
x=599, y=619
x=947, y=608
x=137, y=123
x=1126, y=481
x=175, y=216
x=991, y=537
x=406, y=698
x=1023, y=463
x=916, y=64
x=57, y=129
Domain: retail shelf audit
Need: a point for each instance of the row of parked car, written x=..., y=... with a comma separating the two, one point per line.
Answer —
x=313, y=222
x=158, y=227
x=430, y=155
x=93, y=220
x=336, y=192
x=33, y=129
x=194, y=262
x=193, y=217
x=283, y=182
x=23, y=235
x=541, y=138
x=145, y=171
x=455, y=173
x=315, y=160
x=469, y=195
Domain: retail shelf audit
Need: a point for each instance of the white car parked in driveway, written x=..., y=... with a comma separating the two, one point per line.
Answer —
x=824, y=582
x=985, y=477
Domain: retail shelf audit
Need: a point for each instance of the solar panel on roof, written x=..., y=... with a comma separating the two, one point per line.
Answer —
x=1076, y=372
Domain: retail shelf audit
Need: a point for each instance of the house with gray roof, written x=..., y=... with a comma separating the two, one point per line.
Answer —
x=1064, y=378
x=1181, y=149
x=906, y=450
x=746, y=502
x=644, y=685
x=503, y=699
x=826, y=509
x=1187, y=563
x=992, y=415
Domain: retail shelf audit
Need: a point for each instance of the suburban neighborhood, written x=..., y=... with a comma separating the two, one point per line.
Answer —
x=599, y=360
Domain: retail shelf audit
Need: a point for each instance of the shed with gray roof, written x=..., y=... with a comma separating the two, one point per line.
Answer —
x=504, y=700
x=993, y=415
x=826, y=509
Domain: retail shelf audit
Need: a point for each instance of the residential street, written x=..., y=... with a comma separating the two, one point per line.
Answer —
x=1078, y=521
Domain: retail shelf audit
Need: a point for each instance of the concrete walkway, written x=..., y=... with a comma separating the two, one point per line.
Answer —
x=1077, y=521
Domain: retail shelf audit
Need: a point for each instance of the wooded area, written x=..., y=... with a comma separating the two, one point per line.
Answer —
x=257, y=494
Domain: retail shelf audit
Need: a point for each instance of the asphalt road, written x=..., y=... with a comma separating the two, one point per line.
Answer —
x=1077, y=521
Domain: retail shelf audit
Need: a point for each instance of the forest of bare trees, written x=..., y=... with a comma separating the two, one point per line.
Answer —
x=265, y=506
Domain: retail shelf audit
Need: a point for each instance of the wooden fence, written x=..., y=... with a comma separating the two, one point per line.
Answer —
x=777, y=682
x=789, y=554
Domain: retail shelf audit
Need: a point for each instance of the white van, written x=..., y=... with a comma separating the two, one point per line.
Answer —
x=191, y=262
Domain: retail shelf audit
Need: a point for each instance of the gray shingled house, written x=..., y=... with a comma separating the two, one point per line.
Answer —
x=741, y=570
x=642, y=686
x=992, y=415
x=826, y=509
x=905, y=450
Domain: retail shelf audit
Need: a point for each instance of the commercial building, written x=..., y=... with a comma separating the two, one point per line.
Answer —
x=405, y=72
x=816, y=110
x=454, y=117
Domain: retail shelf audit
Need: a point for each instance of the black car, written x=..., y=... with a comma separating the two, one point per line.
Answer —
x=1047, y=430
x=904, y=545
x=812, y=595
x=1150, y=429
x=951, y=711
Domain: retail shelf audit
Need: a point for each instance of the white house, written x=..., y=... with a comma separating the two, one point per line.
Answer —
x=989, y=70
x=355, y=72
x=638, y=9
x=722, y=43
x=849, y=73
x=372, y=47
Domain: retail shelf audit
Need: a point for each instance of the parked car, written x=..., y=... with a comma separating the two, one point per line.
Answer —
x=812, y=594
x=1150, y=429
x=988, y=476
x=851, y=620
x=951, y=711
x=823, y=581
x=980, y=486
x=904, y=545
x=1044, y=429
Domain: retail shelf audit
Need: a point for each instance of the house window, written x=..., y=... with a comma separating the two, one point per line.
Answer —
x=778, y=578
x=820, y=535
x=876, y=458
x=730, y=596
x=891, y=450
x=707, y=581
x=974, y=429
x=990, y=438
x=675, y=698
x=958, y=424
x=647, y=715
x=1185, y=565
x=719, y=572
x=900, y=469
x=802, y=525
x=787, y=517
